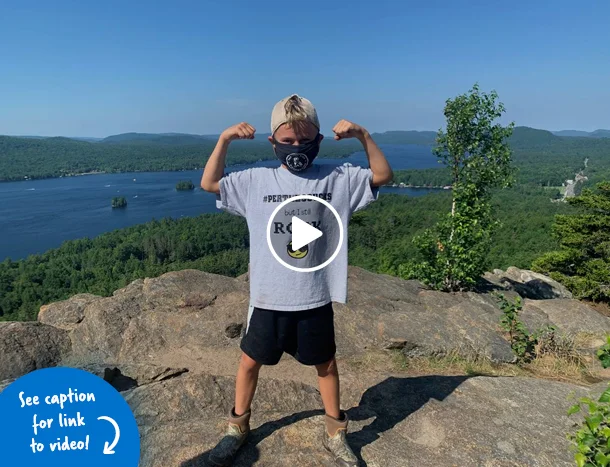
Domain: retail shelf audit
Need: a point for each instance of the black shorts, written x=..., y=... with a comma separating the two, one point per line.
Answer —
x=308, y=335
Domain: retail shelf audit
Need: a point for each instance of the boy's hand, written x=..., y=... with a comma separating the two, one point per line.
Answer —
x=346, y=129
x=242, y=130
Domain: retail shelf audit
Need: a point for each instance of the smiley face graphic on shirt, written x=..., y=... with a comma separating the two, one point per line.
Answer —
x=297, y=254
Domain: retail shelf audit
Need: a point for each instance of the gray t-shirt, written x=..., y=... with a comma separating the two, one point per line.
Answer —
x=255, y=193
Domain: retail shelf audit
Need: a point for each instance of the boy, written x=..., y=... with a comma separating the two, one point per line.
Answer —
x=291, y=311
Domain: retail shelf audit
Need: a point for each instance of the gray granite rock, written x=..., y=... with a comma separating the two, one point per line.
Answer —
x=425, y=421
x=28, y=346
x=66, y=314
x=528, y=284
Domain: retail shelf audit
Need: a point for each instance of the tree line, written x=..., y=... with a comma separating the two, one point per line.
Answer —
x=540, y=157
x=380, y=238
x=496, y=215
x=58, y=157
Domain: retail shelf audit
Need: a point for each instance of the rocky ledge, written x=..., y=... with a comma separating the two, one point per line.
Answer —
x=170, y=344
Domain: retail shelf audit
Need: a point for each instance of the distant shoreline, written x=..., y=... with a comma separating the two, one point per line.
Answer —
x=96, y=172
x=403, y=185
x=101, y=172
x=393, y=185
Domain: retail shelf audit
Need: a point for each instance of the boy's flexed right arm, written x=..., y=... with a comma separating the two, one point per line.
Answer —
x=214, y=168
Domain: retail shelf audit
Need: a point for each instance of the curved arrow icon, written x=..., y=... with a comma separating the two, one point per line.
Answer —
x=109, y=449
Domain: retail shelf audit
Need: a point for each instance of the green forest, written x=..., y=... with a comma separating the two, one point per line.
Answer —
x=423, y=177
x=36, y=158
x=380, y=237
x=541, y=157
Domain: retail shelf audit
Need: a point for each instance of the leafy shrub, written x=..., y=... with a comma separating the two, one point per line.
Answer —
x=592, y=440
x=603, y=353
x=522, y=341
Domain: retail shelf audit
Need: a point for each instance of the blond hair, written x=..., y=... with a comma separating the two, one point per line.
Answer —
x=295, y=111
x=296, y=116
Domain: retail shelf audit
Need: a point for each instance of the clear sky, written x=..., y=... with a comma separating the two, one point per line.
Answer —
x=87, y=68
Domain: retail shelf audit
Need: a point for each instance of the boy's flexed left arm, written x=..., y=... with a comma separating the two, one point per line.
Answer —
x=382, y=172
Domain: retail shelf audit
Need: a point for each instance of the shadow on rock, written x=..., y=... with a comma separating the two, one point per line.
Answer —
x=392, y=401
x=388, y=403
x=249, y=453
x=534, y=289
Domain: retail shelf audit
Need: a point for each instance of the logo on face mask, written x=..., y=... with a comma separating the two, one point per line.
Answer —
x=297, y=161
x=297, y=157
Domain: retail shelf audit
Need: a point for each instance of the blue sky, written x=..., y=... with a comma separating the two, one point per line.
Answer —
x=87, y=68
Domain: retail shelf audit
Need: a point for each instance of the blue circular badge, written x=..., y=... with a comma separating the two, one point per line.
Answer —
x=66, y=417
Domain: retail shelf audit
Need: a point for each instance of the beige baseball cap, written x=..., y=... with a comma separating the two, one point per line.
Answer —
x=292, y=105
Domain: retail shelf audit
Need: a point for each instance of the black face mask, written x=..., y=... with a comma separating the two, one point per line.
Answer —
x=297, y=158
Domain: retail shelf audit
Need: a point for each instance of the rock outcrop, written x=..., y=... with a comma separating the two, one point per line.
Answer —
x=528, y=284
x=425, y=421
x=192, y=314
x=28, y=346
x=171, y=345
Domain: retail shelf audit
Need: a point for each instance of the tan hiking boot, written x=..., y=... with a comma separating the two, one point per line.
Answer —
x=224, y=452
x=335, y=442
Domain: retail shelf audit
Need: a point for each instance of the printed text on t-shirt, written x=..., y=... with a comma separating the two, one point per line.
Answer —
x=282, y=198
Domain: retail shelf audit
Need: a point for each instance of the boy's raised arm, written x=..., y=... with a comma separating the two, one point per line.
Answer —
x=214, y=167
x=382, y=172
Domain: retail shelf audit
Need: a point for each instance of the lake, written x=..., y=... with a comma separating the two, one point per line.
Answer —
x=37, y=215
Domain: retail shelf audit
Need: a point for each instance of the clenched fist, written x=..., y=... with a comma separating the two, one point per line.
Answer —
x=346, y=129
x=242, y=130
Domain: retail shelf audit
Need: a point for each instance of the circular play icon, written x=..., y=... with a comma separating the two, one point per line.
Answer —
x=65, y=417
x=305, y=233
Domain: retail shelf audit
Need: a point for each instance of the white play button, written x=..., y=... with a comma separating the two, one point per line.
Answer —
x=293, y=228
x=303, y=233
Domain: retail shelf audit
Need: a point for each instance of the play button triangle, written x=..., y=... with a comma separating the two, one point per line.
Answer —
x=303, y=233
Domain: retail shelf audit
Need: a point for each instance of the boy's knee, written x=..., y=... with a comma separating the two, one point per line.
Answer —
x=327, y=368
x=248, y=363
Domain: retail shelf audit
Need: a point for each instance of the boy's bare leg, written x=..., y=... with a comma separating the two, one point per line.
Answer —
x=245, y=383
x=328, y=378
x=335, y=421
x=239, y=419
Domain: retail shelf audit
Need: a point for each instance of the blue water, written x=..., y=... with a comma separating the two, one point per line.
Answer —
x=38, y=215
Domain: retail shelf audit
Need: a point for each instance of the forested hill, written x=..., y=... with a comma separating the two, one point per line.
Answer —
x=405, y=137
x=388, y=137
x=542, y=157
x=523, y=137
x=162, y=138
x=169, y=138
x=589, y=134
x=549, y=160
x=35, y=158
x=380, y=239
